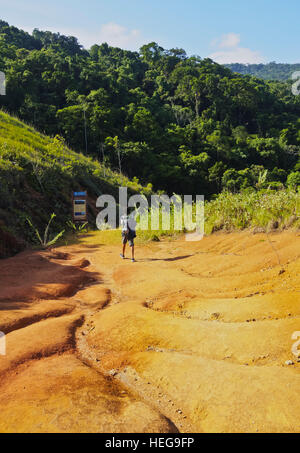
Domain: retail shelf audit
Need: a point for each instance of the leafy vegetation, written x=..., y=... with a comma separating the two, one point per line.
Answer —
x=154, y=120
x=269, y=71
x=38, y=175
x=258, y=211
x=78, y=227
x=264, y=210
x=185, y=125
x=46, y=242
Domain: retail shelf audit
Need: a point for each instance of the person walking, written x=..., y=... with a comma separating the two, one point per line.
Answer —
x=128, y=235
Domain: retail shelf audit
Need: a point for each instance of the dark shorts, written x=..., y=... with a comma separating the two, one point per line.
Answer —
x=127, y=237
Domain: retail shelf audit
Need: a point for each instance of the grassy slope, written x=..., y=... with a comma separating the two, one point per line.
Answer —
x=38, y=174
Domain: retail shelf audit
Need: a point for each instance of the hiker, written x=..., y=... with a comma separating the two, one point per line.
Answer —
x=128, y=235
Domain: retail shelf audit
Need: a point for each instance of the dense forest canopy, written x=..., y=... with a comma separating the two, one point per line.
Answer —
x=269, y=71
x=184, y=124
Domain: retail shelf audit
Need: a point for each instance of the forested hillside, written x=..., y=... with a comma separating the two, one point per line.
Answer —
x=37, y=177
x=186, y=125
x=269, y=71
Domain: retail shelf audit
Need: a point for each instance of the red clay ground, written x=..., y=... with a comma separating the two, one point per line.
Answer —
x=194, y=337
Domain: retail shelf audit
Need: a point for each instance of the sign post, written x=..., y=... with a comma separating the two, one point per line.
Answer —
x=79, y=207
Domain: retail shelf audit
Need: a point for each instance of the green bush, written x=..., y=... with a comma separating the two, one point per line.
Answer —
x=250, y=209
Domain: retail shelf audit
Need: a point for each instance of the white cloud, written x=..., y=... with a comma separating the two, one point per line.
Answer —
x=229, y=51
x=238, y=55
x=229, y=40
x=114, y=34
x=118, y=36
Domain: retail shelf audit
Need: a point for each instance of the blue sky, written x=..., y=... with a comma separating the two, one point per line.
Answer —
x=246, y=31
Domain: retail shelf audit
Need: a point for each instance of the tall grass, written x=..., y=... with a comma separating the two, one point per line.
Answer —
x=267, y=210
x=261, y=211
x=264, y=210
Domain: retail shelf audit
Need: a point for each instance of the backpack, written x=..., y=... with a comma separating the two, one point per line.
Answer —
x=126, y=228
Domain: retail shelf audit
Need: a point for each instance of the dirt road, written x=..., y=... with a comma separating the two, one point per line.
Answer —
x=194, y=337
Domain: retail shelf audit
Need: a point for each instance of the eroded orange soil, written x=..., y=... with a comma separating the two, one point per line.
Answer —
x=194, y=337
